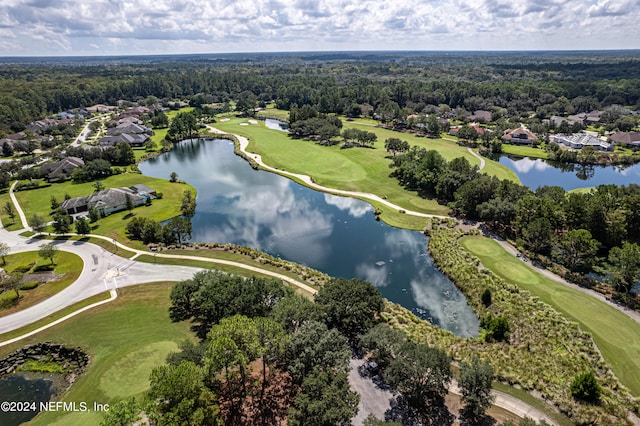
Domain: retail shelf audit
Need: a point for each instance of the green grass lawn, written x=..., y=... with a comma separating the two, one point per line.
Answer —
x=37, y=201
x=524, y=151
x=67, y=264
x=7, y=222
x=272, y=112
x=617, y=335
x=125, y=339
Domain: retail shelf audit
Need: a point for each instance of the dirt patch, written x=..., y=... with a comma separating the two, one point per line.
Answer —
x=42, y=277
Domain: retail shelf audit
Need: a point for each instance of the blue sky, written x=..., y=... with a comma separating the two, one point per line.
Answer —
x=114, y=27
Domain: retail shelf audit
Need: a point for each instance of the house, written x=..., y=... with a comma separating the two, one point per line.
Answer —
x=481, y=115
x=100, y=108
x=60, y=170
x=519, y=136
x=592, y=117
x=133, y=140
x=453, y=131
x=581, y=140
x=630, y=139
x=129, y=128
x=109, y=200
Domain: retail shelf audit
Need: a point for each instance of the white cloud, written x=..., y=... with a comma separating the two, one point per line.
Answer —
x=186, y=26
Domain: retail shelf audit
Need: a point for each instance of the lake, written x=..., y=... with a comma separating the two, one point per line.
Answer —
x=336, y=235
x=536, y=172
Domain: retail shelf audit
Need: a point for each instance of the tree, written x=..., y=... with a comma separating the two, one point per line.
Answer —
x=4, y=251
x=395, y=145
x=585, y=387
x=173, y=177
x=188, y=206
x=475, y=385
x=122, y=413
x=486, y=297
x=233, y=342
x=623, y=267
x=497, y=328
x=212, y=295
x=421, y=374
x=384, y=343
x=125, y=154
x=181, y=397
x=326, y=399
x=94, y=214
x=180, y=228
x=9, y=210
x=314, y=346
x=48, y=251
x=7, y=149
x=352, y=306
x=98, y=186
x=467, y=133
x=12, y=281
x=37, y=223
x=576, y=249
x=53, y=201
x=82, y=226
x=294, y=311
x=129, y=202
x=61, y=221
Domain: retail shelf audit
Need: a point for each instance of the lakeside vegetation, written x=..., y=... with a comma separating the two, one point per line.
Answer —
x=545, y=351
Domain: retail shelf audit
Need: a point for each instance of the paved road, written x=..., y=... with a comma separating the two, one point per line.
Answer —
x=102, y=271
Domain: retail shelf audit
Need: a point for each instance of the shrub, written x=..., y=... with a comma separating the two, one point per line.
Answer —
x=29, y=286
x=585, y=387
x=486, y=297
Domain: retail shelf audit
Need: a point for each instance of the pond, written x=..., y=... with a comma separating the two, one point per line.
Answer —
x=16, y=388
x=336, y=235
x=536, y=172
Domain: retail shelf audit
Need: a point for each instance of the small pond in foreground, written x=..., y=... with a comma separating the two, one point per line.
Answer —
x=536, y=172
x=17, y=388
x=336, y=235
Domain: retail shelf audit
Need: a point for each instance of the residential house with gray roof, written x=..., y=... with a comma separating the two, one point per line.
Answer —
x=110, y=200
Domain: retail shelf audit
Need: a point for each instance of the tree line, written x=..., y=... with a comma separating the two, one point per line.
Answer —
x=393, y=89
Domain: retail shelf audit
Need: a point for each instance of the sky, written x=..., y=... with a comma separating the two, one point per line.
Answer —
x=132, y=27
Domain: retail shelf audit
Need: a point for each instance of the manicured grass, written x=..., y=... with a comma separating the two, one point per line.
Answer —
x=272, y=112
x=67, y=264
x=125, y=340
x=8, y=223
x=524, y=151
x=113, y=226
x=53, y=317
x=356, y=169
x=616, y=334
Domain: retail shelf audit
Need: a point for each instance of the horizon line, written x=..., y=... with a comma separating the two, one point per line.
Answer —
x=300, y=52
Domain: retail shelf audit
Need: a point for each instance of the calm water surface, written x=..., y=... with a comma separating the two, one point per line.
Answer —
x=336, y=235
x=18, y=388
x=536, y=172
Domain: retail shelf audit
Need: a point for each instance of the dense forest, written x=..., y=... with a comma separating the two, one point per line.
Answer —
x=530, y=87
